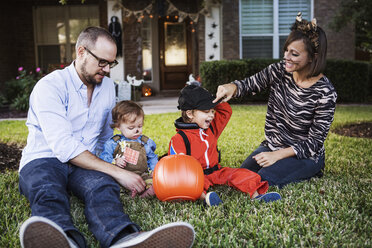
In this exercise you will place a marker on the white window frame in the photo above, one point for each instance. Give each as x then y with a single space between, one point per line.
150 30
275 35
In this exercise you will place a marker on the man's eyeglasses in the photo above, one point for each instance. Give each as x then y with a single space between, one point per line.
102 62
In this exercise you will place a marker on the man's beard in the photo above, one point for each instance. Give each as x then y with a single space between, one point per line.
88 77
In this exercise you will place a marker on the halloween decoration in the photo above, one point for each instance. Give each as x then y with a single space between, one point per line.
178 177
146 90
115 30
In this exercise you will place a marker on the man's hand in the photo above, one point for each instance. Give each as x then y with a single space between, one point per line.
127 179
130 181
225 92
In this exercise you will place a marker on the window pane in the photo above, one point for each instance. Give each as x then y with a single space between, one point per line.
257 17
257 47
288 10
146 49
50 28
81 17
51 56
175 44
282 40
73 52
56 41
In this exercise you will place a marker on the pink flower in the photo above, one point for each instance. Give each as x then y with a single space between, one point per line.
17 77
20 68
38 69
62 66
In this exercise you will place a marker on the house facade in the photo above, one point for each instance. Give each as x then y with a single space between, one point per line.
160 41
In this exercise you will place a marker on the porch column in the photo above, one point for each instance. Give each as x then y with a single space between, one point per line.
116 73
213 34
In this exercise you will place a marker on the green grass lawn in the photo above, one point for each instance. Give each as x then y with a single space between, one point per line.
334 211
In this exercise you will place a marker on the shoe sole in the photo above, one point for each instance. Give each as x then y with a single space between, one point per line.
270 197
39 234
170 235
216 200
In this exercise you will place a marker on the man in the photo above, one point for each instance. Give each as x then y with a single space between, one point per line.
68 122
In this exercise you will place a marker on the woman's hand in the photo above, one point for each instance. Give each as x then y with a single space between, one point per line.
225 92
266 159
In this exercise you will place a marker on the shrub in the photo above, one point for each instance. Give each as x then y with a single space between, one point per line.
18 90
352 79
221 72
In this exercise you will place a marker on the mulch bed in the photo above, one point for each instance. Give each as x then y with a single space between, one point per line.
9 157
360 130
6 113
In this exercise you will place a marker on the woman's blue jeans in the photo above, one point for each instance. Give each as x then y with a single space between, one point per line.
288 170
46 183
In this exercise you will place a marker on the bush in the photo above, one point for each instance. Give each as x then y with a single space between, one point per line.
221 72
352 79
18 90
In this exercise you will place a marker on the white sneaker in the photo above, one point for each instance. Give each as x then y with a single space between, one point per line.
40 232
176 234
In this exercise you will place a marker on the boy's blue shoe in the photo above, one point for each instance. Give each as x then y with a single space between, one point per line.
212 199
268 197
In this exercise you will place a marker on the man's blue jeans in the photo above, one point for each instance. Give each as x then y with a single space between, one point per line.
46 183
288 170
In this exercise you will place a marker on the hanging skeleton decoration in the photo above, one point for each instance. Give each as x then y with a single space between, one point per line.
115 30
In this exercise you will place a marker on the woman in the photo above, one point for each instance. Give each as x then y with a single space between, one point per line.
300 109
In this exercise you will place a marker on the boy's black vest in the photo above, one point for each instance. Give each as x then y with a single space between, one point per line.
188 151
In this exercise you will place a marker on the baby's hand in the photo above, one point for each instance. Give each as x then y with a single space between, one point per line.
148 192
133 193
120 162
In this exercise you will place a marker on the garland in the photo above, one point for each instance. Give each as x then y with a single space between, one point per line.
149 9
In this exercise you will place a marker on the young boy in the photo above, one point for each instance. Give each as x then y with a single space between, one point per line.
198 130
131 150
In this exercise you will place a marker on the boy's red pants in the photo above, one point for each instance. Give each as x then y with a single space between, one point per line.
242 179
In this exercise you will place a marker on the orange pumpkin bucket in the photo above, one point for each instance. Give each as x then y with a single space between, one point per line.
178 177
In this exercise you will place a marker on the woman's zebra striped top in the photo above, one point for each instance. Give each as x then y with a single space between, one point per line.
296 117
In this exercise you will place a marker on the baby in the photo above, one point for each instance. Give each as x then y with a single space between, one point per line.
131 150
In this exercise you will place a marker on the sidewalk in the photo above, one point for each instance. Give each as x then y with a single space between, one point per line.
150 105
159 105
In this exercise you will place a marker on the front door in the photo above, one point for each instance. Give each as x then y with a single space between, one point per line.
175 53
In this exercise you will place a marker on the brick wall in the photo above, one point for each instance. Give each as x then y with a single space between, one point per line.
341 45
230 29
17 41
132 47
201 38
